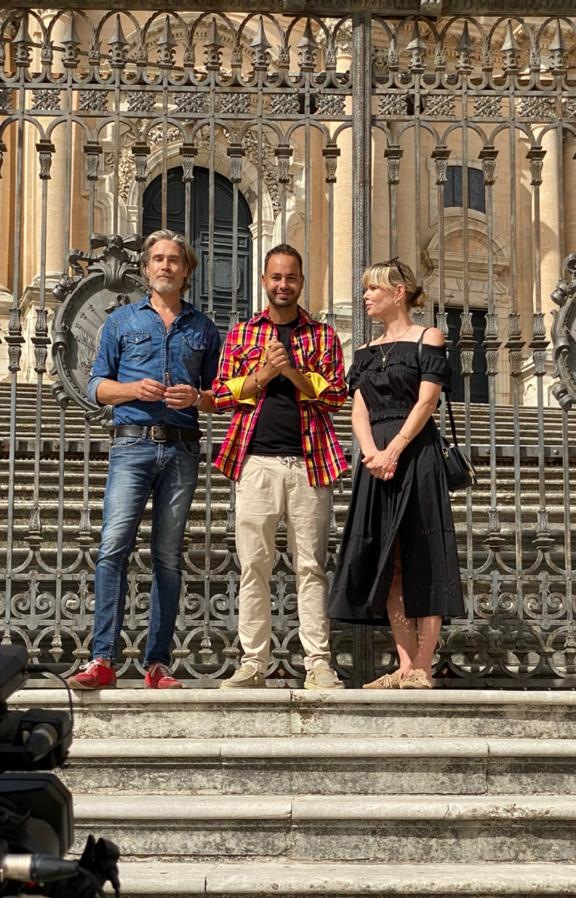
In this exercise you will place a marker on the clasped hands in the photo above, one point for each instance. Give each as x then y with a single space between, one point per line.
175 396
381 463
276 358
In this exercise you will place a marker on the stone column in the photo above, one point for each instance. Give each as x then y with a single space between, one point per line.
569 192
551 251
343 188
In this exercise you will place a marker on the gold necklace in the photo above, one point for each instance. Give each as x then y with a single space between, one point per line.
391 346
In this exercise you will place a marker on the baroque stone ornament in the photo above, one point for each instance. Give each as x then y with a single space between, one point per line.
564 336
109 280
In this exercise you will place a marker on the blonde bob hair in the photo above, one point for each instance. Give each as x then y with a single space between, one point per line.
392 273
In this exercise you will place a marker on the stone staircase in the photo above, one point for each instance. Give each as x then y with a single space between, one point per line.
50 515
286 792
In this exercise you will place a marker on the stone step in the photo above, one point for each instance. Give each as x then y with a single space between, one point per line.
327 766
402 829
273 712
185 880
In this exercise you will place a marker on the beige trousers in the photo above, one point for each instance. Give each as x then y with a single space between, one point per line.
267 489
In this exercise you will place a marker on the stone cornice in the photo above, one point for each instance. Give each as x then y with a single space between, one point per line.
394 8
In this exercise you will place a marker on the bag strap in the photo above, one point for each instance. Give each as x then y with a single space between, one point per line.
451 416
420 339
445 395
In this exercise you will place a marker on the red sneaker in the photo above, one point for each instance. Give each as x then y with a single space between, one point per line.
94 675
159 676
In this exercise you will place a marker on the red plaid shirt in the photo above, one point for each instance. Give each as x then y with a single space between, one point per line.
317 352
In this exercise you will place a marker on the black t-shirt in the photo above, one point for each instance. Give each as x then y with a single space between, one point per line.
278 430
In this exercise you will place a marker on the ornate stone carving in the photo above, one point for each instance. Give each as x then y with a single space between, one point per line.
109 280
5 100
564 336
156 135
126 173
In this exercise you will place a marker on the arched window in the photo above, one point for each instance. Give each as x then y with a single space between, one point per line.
476 190
200 213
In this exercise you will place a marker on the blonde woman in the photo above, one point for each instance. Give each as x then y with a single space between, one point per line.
398 563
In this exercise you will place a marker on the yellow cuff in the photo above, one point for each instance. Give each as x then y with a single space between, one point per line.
236 385
319 384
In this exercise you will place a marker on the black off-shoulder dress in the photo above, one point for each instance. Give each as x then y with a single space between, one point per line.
413 508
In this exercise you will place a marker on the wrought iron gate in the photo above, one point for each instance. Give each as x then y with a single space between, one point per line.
449 141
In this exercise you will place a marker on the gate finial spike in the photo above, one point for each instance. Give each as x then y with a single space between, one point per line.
557 42
213 47
261 42
22 36
510 50
510 43
464 48
166 38
118 39
558 52
213 41
417 49
260 46
71 38
307 48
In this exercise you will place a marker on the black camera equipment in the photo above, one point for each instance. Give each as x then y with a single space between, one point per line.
36 812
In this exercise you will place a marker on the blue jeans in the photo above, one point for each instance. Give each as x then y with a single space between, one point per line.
140 467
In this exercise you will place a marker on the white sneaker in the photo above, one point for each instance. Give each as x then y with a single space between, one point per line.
322 677
246 677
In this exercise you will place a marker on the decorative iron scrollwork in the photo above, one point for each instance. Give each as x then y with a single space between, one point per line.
110 279
564 336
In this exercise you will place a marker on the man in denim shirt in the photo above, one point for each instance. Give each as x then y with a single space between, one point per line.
155 364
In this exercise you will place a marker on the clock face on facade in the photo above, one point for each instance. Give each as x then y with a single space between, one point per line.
78 324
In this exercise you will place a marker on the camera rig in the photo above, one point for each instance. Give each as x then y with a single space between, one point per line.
36 809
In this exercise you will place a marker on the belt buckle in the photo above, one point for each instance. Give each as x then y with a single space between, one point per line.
157 434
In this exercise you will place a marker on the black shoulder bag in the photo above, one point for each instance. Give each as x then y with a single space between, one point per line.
460 473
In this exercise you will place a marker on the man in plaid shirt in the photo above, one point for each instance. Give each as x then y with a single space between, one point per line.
282 375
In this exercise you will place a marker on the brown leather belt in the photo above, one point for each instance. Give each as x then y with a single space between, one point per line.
158 433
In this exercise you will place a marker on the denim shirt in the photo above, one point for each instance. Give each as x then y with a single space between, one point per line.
135 344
